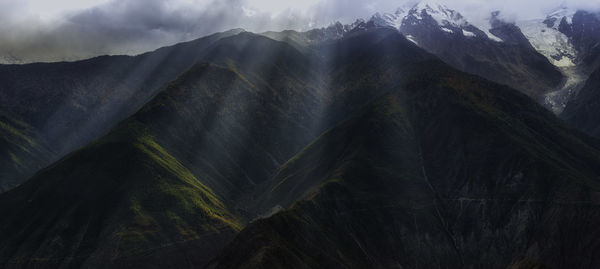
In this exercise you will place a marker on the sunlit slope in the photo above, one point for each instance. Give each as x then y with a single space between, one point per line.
444 171
160 189
117 198
69 104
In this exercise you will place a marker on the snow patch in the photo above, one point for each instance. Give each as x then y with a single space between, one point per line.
447 30
492 36
391 20
412 39
469 34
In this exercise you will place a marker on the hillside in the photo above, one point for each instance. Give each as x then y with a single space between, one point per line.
69 104
385 189
581 111
163 182
195 138
376 153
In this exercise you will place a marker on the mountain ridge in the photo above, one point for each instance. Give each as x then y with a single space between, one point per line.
69 104
333 148
361 211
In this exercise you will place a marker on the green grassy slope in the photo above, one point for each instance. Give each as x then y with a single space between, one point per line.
21 152
117 198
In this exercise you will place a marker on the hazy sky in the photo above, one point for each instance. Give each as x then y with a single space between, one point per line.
43 30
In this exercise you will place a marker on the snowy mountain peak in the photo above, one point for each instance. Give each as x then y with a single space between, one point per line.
558 14
428 12
439 12
448 19
429 5
391 19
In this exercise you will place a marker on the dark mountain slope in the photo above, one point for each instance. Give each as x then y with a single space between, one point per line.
162 186
239 129
304 41
215 132
446 171
94 210
21 153
584 33
363 65
582 111
69 104
422 166
116 198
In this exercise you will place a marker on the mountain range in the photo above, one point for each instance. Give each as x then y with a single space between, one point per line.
414 139
55 108
549 59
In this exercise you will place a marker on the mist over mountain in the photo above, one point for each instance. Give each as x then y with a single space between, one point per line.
397 135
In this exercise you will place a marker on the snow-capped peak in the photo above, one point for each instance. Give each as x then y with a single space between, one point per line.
439 12
391 19
448 20
429 5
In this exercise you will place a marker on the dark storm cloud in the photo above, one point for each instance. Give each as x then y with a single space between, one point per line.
143 17
135 26
132 26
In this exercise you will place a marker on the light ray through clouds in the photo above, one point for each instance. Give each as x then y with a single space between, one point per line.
41 30
261 79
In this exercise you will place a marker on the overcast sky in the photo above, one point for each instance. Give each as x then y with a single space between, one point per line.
43 30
